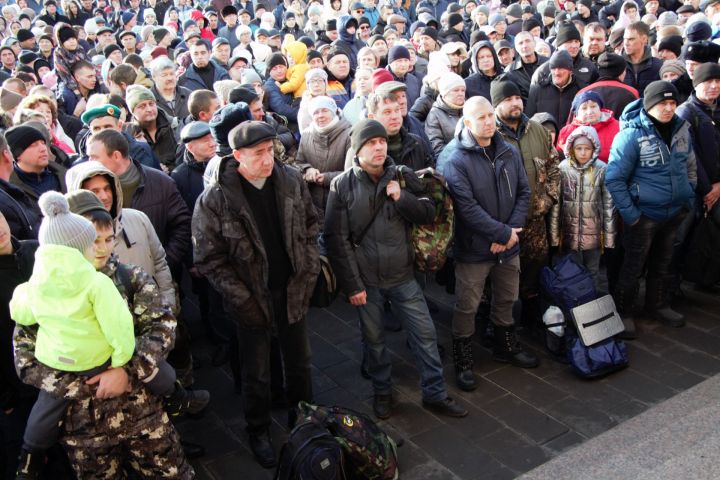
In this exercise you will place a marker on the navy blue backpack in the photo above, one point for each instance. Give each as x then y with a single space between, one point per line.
567 285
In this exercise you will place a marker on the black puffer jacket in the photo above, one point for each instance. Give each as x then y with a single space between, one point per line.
440 124
424 103
158 197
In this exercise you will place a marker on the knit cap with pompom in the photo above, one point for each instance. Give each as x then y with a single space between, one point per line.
60 227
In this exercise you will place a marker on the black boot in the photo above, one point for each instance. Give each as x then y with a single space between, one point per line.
657 306
382 406
463 359
263 449
186 402
624 302
507 349
30 465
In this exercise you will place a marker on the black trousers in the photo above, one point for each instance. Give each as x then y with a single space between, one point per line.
648 243
255 352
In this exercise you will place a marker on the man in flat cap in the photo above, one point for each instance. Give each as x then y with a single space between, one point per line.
199 149
255 239
105 117
371 252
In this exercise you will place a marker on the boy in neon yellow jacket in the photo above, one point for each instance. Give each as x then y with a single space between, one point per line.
84 325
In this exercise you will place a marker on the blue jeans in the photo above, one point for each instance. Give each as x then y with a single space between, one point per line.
409 305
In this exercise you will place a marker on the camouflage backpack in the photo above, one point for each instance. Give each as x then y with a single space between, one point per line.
432 241
370 454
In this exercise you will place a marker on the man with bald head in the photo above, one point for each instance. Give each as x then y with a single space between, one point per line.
487 180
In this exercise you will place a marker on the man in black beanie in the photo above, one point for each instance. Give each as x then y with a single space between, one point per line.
555 93
651 176
370 249
585 12
702 113
615 93
263 259
584 71
280 103
32 171
540 159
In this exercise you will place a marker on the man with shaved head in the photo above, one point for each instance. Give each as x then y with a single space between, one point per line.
489 187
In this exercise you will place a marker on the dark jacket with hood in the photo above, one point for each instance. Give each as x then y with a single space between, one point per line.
478 83
440 124
347 42
704 123
644 175
643 73
22 214
230 252
384 257
491 196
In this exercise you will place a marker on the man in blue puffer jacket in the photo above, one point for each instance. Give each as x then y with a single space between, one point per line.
488 184
651 176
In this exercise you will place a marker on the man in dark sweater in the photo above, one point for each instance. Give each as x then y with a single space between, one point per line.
255 236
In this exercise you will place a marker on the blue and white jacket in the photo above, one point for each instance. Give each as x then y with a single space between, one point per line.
644 176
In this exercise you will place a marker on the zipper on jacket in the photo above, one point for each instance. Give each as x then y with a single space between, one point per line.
497 187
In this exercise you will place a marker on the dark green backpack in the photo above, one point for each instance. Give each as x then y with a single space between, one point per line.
370 454
432 241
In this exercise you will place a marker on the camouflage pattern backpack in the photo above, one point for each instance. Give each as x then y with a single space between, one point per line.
370 454
432 241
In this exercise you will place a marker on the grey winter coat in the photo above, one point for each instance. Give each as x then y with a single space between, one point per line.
326 152
384 257
229 251
585 218
440 124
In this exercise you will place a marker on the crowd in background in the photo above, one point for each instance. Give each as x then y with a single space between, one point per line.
232 144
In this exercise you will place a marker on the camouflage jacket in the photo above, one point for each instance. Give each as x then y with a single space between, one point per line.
541 163
154 338
229 251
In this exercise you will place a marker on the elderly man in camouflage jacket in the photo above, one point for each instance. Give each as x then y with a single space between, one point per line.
255 238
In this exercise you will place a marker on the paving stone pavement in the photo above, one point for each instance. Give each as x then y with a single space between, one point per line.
519 419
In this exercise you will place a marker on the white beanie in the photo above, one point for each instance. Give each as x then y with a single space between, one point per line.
60 227
448 82
322 102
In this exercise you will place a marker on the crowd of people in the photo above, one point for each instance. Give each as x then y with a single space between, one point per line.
235 143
